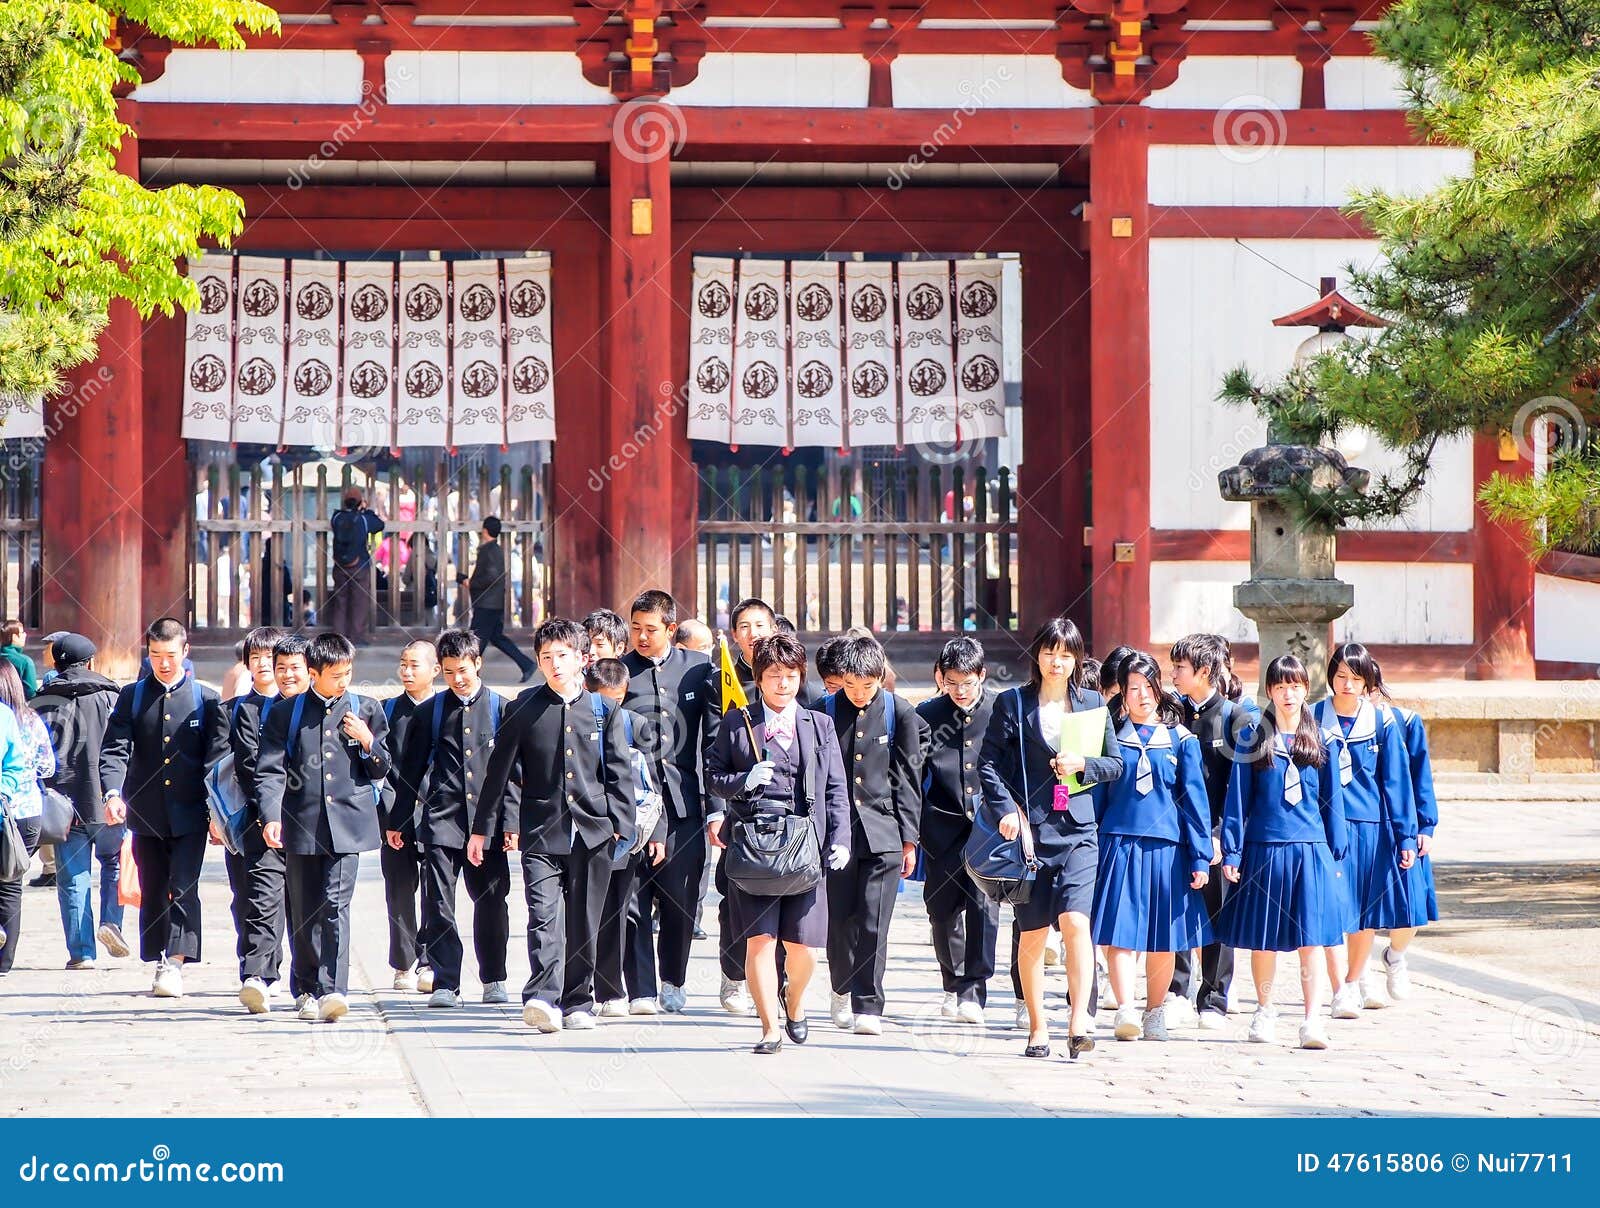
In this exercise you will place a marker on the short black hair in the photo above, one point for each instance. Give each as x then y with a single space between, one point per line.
432 649
783 624
564 630
658 602
961 656
778 650
1111 665
491 525
603 623
262 637
328 650
1058 633
459 644
827 658
290 645
745 605
166 629
605 673
863 657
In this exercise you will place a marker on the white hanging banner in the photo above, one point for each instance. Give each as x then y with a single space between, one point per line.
366 405
927 371
423 414
208 352
261 312
310 389
711 324
980 352
530 403
477 354
872 381
818 396
760 404
21 418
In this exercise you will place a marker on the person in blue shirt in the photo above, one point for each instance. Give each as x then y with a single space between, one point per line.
1283 829
1375 780
1155 848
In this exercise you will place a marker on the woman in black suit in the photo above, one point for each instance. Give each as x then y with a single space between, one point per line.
1023 762
795 769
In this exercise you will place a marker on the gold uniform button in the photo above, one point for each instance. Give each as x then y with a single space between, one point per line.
166 717
572 798
858 756
467 754
858 780
569 729
860 734
969 742
166 761
466 729
166 738
969 767
168 783
469 775
329 776
569 775
569 750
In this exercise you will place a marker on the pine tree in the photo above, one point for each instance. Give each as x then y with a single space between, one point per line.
1492 281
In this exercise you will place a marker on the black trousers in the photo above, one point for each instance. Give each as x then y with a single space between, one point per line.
259 915
490 626
169 886
11 898
611 940
860 906
566 898
672 888
966 926
1216 960
320 889
489 886
402 874
730 952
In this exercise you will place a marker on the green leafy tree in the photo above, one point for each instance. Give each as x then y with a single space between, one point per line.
1492 281
74 232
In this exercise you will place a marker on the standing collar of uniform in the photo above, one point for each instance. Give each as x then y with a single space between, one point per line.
468 702
564 700
181 680
1210 702
327 703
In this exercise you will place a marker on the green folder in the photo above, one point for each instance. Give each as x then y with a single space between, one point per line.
1083 734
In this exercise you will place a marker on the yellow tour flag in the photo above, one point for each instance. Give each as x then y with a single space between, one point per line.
733 696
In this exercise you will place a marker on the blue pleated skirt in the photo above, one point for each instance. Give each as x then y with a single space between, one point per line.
1289 895
1374 879
1142 898
1421 895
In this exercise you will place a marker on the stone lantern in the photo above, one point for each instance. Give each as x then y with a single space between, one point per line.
1292 594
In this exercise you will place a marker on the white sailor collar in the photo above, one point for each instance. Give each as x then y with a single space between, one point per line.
1162 736
1363 729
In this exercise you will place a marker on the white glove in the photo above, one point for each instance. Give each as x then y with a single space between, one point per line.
759 775
838 857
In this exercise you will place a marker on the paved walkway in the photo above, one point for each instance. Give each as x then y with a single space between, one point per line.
1482 1036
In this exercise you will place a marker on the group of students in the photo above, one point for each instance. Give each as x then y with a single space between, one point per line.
1199 825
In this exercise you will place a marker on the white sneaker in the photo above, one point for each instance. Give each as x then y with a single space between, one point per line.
494 992
970 1012
444 997
541 1015
332 1008
1052 948
424 980
1105 996
673 1000
644 1006
1313 1035
735 998
579 1021
1396 974
305 1008
110 935
614 1008
1369 996
950 1008
169 981
1128 1024
1213 1021
1346 1001
1179 1012
1264 1026
255 997
1019 1019
405 979
1155 1024
839 1010
869 1025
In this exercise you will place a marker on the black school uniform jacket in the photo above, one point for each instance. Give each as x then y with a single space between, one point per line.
574 774
952 772
244 736
821 773
446 772
326 791
669 702
885 777
158 760
402 716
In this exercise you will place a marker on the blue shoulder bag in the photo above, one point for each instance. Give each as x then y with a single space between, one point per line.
1003 869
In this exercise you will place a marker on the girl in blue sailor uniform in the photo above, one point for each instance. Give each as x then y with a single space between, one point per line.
1155 848
1375 779
1283 830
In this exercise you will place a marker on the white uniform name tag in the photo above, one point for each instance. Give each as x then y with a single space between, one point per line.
883 740
593 735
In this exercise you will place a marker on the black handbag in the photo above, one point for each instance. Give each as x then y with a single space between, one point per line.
1003 869
55 822
775 855
15 859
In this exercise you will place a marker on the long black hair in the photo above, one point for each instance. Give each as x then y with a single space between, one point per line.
1305 747
1140 663
1062 632
1112 664
1359 660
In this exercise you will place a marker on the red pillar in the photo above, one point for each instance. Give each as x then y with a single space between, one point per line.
1502 581
169 510
1119 376
642 420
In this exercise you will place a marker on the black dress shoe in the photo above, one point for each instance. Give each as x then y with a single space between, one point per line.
1036 1050
798 1029
1079 1044
768 1047
44 880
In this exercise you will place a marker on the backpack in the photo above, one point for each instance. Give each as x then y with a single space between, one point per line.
349 536
647 802
225 795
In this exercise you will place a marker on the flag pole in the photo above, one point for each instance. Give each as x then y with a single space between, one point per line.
731 675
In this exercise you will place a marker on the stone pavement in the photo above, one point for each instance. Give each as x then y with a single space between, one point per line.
1480 1037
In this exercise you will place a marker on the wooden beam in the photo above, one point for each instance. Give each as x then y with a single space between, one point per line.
1300 127
1233 545
1254 222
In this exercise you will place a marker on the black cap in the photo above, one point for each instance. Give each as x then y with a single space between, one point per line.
72 648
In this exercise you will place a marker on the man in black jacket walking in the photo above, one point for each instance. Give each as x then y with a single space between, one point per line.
488 588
